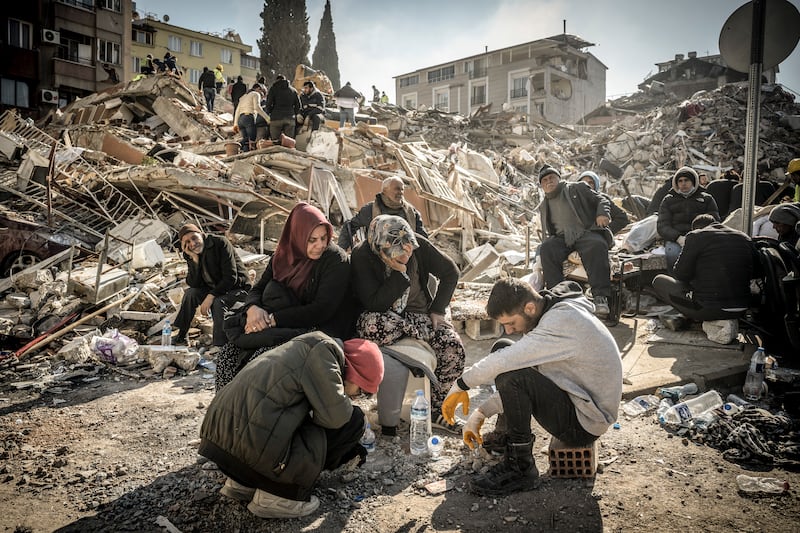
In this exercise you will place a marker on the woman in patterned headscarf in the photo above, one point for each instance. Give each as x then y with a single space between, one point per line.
305 287
390 276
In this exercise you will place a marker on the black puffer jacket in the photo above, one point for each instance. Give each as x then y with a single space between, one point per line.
677 212
282 101
260 426
223 265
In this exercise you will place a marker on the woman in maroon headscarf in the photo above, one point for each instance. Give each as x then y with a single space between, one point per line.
305 287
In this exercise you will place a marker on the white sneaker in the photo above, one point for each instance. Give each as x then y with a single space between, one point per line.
237 491
266 505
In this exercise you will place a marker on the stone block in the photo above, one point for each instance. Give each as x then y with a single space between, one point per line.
572 462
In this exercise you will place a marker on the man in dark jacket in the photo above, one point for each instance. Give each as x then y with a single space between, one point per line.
312 105
283 105
712 276
658 196
216 278
721 189
390 201
619 218
206 84
287 416
679 208
574 217
238 90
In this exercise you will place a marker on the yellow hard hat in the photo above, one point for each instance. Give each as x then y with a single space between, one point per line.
794 166
219 67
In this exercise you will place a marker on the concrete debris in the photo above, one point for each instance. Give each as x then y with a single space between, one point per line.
113 175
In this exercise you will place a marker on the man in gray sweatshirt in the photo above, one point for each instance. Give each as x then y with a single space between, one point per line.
565 371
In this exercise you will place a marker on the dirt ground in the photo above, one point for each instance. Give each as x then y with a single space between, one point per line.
119 454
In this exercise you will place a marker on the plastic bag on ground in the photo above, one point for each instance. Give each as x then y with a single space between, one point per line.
114 347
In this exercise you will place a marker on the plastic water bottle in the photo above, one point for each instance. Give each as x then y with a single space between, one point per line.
737 400
420 412
755 376
368 438
769 485
166 334
676 394
640 405
730 409
680 413
663 405
435 446
705 420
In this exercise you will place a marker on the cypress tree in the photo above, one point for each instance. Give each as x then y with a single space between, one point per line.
284 42
325 57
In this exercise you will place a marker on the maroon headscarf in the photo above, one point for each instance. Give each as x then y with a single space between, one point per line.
290 264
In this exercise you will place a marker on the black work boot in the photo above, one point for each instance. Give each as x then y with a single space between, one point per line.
517 473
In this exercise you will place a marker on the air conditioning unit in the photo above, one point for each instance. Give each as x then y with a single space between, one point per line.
49 97
50 36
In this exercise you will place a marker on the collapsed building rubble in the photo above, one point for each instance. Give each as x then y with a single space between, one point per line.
120 170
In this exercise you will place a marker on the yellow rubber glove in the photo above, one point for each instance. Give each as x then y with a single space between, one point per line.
454 398
472 431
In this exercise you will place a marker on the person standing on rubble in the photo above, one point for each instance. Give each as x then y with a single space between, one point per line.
219 79
391 271
619 218
305 287
376 94
244 119
679 208
238 90
206 86
390 201
283 105
312 106
217 281
793 173
288 416
575 218
384 98
347 99
565 371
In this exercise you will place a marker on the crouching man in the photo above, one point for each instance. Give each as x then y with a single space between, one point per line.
565 371
287 416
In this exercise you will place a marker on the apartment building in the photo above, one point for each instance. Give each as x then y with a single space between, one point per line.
192 49
554 78
54 51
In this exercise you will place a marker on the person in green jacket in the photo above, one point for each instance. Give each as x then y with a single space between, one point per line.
287 416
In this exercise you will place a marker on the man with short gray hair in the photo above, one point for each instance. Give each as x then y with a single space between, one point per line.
390 201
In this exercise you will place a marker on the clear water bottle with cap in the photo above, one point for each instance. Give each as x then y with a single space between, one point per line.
663 405
420 412
368 438
737 400
754 381
435 446
166 334
686 410
677 393
640 405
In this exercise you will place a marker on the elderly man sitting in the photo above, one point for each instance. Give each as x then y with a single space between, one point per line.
389 201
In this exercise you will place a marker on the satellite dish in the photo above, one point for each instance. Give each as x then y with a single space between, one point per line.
166 18
781 33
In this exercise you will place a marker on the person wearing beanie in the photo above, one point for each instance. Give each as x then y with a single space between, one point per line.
216 277
679 208
575 218
619 218
785 218
287 416
390 201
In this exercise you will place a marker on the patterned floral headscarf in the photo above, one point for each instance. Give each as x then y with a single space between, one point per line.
388 234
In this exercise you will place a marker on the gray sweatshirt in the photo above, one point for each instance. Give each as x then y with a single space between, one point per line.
572 348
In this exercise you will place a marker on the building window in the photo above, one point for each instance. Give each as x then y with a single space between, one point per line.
476 68
196 49
113 5
249 62
174 43
108 52
19 33
194 75
441 100
441 74
226 56
478 96
520 108
14 93
75 47
144 37
409 80
410 101
85 4
519 87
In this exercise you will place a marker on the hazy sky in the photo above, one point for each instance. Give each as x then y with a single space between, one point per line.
378 39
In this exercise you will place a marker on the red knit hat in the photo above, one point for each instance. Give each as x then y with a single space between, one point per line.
363 364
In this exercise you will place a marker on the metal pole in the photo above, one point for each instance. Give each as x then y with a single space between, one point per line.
753 116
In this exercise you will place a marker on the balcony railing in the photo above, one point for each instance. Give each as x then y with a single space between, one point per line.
519 93
478 73
84 4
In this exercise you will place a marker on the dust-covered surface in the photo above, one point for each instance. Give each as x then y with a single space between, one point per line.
119 453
